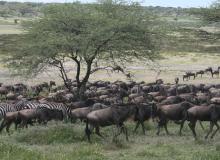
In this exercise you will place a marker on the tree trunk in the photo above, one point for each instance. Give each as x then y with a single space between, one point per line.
81 86
81 92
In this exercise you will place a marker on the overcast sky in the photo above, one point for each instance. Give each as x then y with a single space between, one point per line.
166 3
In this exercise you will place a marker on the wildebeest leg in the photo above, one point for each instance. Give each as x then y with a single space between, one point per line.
201 125
125 131
97 132
181 127
160 124
192 126
121 128
137 125
8 126
158 128
210 129
24 123
165 126
2 125
216 123
143 127
16 125
88 132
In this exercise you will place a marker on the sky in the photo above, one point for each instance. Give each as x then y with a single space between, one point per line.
165 3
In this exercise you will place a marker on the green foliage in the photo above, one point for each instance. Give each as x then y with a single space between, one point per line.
113 32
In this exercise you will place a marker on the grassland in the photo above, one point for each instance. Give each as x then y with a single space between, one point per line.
173 64
66 142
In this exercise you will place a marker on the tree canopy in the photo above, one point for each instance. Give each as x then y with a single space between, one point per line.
96 36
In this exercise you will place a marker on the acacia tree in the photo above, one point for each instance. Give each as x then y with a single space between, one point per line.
92 36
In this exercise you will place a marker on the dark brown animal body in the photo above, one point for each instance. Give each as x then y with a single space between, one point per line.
41 114
185 77
209 113
80 113
176 80
172 100
216 72
175 112
201 72
115 115
10 117
190 74
144 112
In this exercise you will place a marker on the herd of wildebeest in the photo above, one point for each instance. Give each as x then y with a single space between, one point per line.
208 70
112 103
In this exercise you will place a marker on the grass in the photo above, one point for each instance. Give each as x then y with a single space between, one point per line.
10 29
173 64
65 141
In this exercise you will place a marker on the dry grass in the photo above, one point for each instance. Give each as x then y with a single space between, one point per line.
171 66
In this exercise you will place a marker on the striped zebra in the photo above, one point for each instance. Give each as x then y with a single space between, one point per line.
51 105
32 105
6 107
59 106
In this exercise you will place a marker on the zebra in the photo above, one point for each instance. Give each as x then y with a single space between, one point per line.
51 105
59 106
7 107
32 105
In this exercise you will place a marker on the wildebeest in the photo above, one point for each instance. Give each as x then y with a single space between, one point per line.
144 112
185 76
209 113
41 114
216 72
9 118
172 100
201 72
190 74
175 112
81 113
208 69
114 115
176 80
